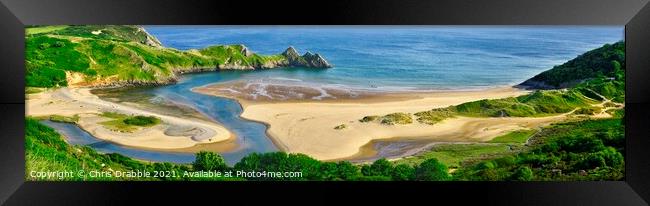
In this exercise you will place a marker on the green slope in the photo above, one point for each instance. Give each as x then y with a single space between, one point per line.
606 61
125 55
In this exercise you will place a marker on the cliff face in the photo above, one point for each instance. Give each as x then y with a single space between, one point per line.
150 40
128 55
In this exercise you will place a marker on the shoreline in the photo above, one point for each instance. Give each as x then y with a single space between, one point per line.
368 97
228 145
280 132
174 134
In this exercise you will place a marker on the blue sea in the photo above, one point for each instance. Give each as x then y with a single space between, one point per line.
404 57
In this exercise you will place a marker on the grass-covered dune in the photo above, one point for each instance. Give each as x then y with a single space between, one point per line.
128 55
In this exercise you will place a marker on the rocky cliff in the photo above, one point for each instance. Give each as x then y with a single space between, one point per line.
306 60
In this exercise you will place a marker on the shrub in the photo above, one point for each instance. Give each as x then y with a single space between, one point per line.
434 116
403 172
380 167
431 170
141 120
397 118
522 173
209 161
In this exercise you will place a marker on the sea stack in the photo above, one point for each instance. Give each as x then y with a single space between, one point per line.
307 60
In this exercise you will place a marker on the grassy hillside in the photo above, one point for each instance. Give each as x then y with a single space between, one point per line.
606 61
586 150
123 55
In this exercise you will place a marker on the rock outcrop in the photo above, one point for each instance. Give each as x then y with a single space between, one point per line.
307 60
245 51
150 39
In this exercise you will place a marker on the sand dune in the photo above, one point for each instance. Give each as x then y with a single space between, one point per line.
173 133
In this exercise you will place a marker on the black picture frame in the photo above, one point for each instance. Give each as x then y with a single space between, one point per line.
634 14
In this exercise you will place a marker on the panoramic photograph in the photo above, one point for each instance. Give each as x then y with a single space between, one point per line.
324 103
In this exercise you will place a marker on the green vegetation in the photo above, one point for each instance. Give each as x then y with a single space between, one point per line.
455 155
520 136
64 119
114 115
539 103
434 116
33 90
43 29
339 127
612 88
617 113
608 61
585 150
47 59
127 123
587 110
390 119
142 121
397 118
432 170
209 161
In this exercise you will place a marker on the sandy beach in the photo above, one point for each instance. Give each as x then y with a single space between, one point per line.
308 127
173 134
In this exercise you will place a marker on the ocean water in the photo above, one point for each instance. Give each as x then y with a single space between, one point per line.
404 57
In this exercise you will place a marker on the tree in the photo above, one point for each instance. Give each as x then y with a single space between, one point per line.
380 167
403 172
329 171
431 170
209 161
347 170
523 173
